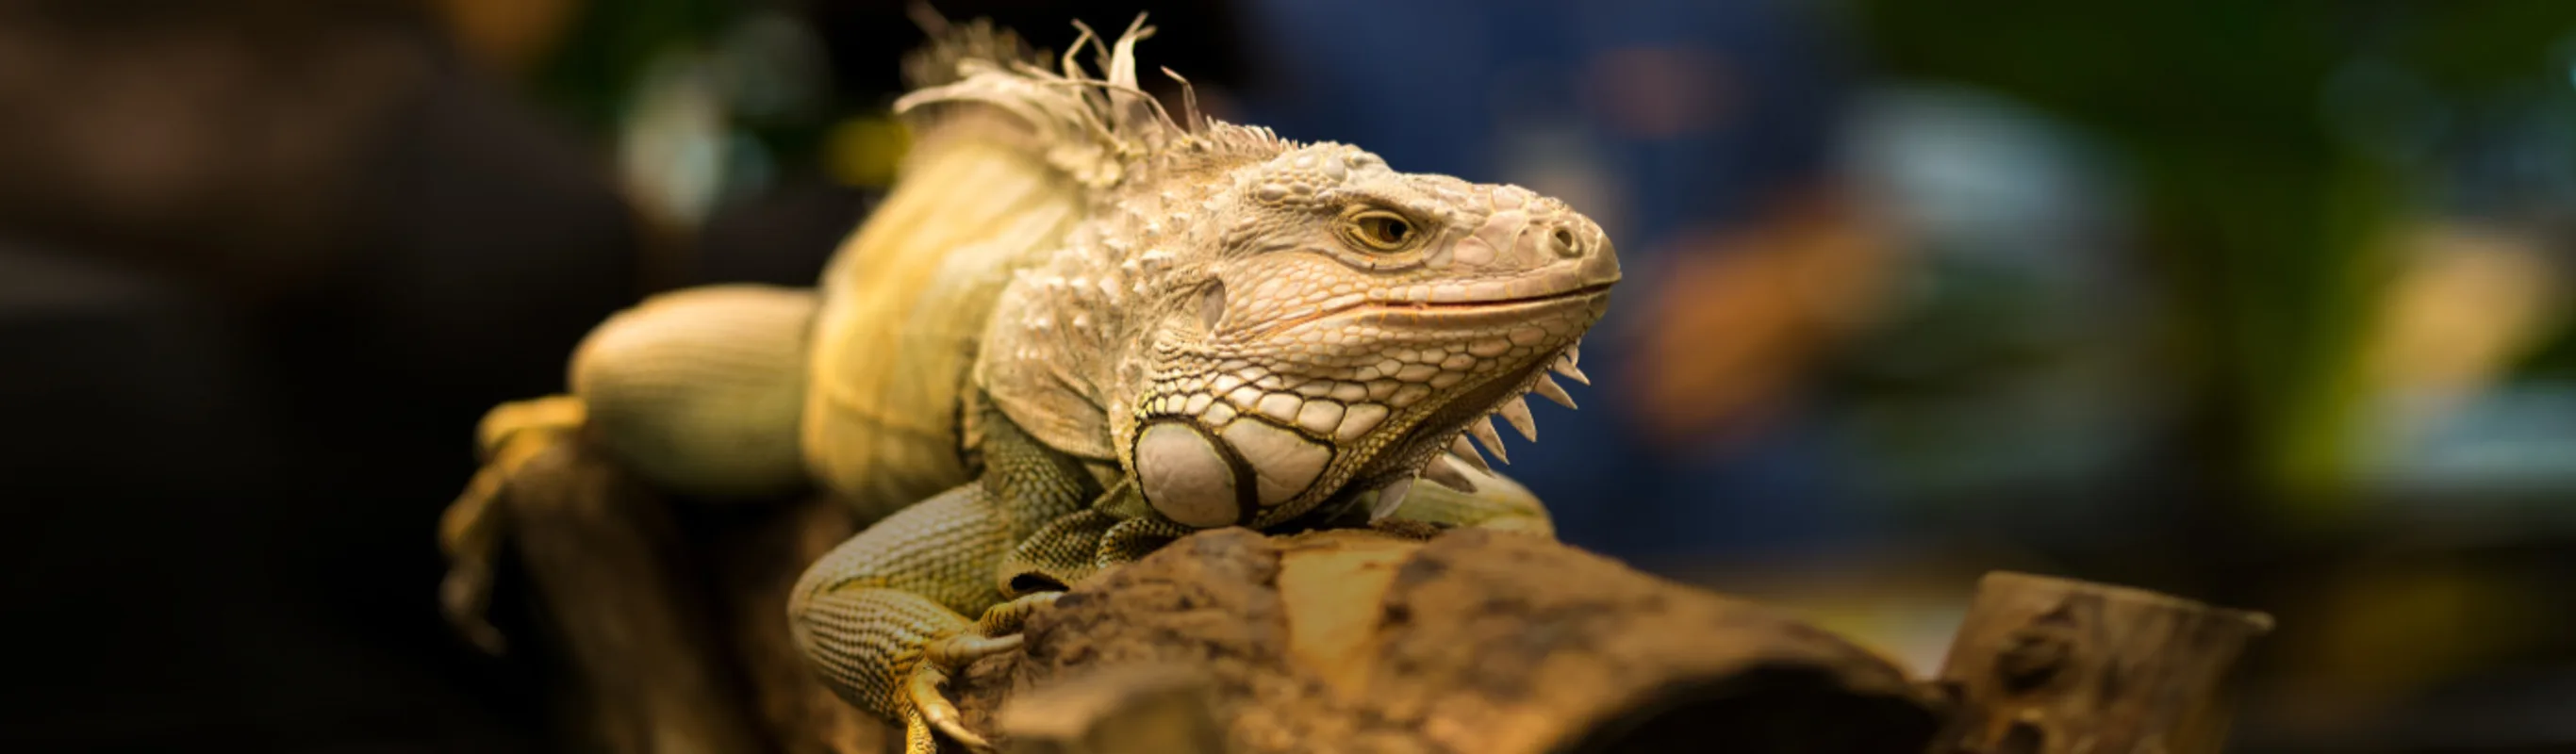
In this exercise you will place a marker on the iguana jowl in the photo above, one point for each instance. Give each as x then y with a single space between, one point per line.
1097 329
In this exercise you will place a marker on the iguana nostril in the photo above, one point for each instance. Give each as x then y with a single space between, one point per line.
1565 244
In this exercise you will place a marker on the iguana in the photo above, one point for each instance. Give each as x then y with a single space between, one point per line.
1077 329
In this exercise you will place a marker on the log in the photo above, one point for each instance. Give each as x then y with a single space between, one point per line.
1475 641
1138 708
756 557
2056 666
665 618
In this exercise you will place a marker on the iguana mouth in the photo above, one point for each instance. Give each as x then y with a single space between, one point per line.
1589 290
1463 314
1450 312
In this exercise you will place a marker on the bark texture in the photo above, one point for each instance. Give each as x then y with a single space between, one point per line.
667 623
1475 641
2055 666
667 619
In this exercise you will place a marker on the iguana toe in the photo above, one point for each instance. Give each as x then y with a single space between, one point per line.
931 710
956 652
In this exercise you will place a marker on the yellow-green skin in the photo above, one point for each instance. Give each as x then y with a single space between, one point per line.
886 432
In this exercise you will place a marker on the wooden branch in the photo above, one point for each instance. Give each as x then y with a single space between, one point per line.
1475 641
596 546
1141 708
670 617
755 558
2055 666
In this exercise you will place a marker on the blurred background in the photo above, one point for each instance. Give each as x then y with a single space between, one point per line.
2259 303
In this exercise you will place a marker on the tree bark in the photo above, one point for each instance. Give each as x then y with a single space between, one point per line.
668 618
1144 708
2056 666
1475 641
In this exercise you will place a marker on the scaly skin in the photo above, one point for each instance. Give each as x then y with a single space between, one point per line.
1241 331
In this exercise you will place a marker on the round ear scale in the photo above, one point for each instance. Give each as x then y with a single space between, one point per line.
1283 463
1186 477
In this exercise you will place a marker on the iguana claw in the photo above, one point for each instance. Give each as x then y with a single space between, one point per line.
932 710
996 632
957 652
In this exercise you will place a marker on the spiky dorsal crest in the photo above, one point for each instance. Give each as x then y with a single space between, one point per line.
1101 129
954 49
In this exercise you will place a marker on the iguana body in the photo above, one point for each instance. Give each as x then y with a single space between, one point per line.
1075 331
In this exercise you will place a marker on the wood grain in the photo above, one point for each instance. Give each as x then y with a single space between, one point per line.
669 618
2057 666
1476 641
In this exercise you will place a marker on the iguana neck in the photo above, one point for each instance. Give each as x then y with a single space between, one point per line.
1064 352
1051 357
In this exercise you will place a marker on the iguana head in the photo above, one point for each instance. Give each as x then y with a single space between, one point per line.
1255 328
1296 330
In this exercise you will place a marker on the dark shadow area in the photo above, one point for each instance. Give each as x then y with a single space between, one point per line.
1766 709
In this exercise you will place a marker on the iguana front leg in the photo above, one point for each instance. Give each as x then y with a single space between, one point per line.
868 614
883 617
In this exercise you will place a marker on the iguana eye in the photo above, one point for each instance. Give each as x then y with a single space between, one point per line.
1379 230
